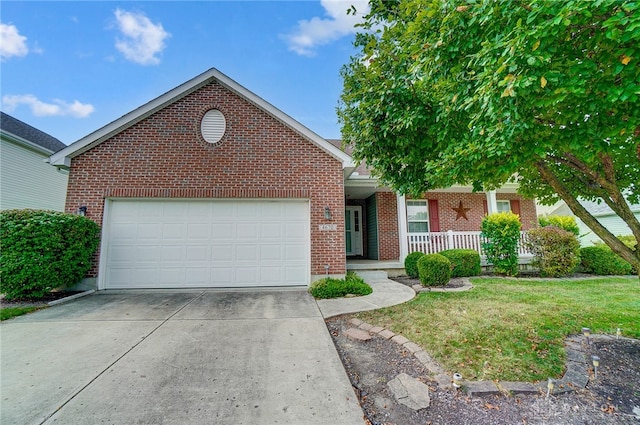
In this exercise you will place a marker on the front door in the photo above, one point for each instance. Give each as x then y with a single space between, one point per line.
353 230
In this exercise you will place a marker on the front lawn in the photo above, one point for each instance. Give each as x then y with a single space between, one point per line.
510 329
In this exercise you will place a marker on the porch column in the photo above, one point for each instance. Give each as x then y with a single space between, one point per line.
492 204
401 207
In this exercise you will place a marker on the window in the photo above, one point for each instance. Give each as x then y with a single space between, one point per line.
417 216
503 206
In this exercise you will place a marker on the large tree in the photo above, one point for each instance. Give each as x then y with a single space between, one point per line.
546 93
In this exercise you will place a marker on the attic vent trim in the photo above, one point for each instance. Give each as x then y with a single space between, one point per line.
213 126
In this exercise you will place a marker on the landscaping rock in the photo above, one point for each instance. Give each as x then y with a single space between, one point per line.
481 388
519 388
357 334
410 392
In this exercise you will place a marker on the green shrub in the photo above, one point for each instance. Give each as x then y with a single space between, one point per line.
464 262
565 222
44 250
411 263
434 270
329 287
500 234
556 252
601 260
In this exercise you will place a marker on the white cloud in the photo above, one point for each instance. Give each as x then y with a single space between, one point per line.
141 40
309 34
11 42
39 108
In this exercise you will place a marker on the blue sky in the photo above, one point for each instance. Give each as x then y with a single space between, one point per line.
68 68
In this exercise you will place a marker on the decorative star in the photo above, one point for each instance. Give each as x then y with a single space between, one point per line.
461 212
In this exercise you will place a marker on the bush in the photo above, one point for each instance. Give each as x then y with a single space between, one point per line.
434 270
329 287
501 233
565 222
556 252
601 260
44 250
411 263
464 262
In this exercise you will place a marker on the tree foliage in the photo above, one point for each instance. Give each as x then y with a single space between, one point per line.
545 93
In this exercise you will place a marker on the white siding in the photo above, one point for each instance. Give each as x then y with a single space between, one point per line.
612 222
26 181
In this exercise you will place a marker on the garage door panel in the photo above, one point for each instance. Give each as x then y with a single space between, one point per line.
189 243
247 231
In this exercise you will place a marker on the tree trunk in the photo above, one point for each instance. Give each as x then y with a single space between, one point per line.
628 254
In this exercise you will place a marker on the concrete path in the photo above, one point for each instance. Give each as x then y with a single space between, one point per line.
386 293
199 357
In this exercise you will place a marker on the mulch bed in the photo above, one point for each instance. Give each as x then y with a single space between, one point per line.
608 400
39 302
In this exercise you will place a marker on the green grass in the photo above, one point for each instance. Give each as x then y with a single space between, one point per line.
511 329
11 312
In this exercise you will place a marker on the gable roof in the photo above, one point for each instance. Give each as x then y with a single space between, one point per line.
63 157
27 135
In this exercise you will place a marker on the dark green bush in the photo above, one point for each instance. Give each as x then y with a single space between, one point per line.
500 234
329 287
434 270
44 250
601 260
556 252
411 263
565 222
464 262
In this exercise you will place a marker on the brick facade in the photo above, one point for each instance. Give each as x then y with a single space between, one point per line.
164 156
388 234
447 201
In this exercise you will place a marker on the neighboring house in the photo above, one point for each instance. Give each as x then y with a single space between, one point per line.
603 214
209 185
26 180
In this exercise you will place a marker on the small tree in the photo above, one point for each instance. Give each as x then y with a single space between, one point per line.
501 233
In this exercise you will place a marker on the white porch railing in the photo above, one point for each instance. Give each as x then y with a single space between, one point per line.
433 242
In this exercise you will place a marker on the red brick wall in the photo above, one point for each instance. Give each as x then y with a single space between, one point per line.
164 156
475 201
388 236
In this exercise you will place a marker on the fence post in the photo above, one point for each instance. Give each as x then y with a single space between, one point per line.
450 239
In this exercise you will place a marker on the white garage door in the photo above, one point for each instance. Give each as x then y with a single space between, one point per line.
190 243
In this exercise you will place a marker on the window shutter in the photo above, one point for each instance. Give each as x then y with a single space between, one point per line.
515 207
485 205
434 216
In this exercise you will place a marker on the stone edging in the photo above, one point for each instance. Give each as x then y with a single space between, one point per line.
467 285
576 377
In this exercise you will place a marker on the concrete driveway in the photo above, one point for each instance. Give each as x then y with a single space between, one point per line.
199 357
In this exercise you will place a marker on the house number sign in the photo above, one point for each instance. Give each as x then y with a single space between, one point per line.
327 227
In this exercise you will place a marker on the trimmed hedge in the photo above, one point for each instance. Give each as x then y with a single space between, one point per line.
501 233
411 263
556 252
464 262
330 287
601 260
434 270
44 250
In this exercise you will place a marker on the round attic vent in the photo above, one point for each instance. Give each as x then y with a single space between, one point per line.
213 126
